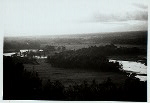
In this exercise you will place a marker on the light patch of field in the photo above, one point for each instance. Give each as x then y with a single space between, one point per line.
71 76
79 46
75 46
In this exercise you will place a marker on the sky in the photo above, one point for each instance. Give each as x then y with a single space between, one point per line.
53 17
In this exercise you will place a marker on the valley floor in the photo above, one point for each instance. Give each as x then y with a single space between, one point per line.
72 76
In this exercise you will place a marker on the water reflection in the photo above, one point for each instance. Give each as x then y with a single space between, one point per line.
9 54
137 67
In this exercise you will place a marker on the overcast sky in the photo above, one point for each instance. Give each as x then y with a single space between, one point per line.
50 17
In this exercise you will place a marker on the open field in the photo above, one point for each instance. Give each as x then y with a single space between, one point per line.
71 76
76 46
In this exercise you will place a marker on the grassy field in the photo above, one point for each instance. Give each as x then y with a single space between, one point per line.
72 76
76 46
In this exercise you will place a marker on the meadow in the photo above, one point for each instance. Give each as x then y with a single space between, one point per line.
72 76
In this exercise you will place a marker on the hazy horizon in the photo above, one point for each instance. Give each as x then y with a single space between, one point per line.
54 17
77 34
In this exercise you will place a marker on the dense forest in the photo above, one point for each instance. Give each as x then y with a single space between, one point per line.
92 58
20 84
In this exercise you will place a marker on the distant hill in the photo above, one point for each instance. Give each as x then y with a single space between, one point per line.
133 38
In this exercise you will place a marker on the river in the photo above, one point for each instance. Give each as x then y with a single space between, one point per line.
134 67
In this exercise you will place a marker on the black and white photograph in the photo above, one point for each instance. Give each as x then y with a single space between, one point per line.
75 50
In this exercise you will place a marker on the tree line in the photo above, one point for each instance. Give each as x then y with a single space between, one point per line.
92 58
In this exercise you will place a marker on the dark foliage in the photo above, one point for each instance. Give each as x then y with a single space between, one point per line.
49 48
24 60
53 91
18 84
92 58
88 58
131 90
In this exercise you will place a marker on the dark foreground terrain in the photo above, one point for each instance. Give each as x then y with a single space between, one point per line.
24 84
77 67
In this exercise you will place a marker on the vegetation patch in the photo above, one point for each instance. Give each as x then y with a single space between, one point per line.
22 85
